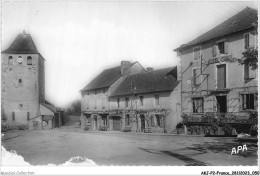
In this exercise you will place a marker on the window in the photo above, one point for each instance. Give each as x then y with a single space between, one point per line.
152 120
159 120
157 101
127 120
126 102
20 82
196 78
95 91
10 60
196 53
221 76
29 60
250 40
220 48
95 103
103 103
249 101
141 100
197 104
13 116
248 72
28 116
20 60
104 119
118 102
104 90
87 103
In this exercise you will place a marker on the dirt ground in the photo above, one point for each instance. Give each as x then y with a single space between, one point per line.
118 148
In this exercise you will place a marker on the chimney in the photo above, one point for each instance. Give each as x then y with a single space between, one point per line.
149 69
125 65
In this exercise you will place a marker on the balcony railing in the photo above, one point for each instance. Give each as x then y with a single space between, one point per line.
222 118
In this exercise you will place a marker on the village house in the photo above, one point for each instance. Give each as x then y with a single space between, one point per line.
147 102
213 81
23 101
95 106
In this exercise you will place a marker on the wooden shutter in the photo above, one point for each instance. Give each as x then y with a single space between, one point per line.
226 47
214 50
251 40
221 76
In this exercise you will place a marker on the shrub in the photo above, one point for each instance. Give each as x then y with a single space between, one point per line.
22 127
127 129
179 125
253 117
86 128
227 130
214 127
102 128
253 130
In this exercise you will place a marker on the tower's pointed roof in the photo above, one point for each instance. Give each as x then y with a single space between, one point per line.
23 44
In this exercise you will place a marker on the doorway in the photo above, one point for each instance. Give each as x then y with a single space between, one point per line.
95 123
142 122
117 123
221 104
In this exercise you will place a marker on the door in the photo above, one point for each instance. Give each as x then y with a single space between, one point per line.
95 123
221 104
221 76
142 122
116 123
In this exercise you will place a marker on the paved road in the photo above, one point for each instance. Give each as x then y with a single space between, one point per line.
118 148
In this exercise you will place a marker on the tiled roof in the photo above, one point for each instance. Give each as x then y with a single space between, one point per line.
23 44
148 82
104 79
243 20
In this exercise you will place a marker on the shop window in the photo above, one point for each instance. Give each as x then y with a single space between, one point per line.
197 104
29 60
249 101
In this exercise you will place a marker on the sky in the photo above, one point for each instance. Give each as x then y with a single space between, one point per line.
80 39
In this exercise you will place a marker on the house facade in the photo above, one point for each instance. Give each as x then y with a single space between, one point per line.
23 86
147 102
212 78
95 105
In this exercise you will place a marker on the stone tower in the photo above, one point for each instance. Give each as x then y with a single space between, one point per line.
23 82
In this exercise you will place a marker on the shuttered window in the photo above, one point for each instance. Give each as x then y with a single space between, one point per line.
249 101
197 104
157 100
196 76
248 72
249 40
220 48
221 76
196 53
